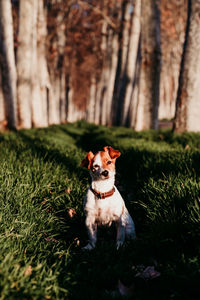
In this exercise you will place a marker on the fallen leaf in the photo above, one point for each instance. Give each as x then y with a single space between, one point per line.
28 271
68 191
44 201
124 290
77 242
48 239
148 273
71 212
187 147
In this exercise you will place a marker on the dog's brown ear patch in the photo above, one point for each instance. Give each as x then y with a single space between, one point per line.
87 161
112 152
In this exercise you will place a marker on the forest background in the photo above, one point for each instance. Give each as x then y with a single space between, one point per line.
110 62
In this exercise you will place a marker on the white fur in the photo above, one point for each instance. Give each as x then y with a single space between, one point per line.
105 211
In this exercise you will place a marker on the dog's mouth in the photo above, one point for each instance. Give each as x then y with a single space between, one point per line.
105 177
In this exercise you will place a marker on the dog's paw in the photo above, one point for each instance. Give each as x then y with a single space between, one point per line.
88 247
119 244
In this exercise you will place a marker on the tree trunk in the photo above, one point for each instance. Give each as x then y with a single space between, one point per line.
131 59
39 80
7 62
105 85
123 41
101 84
61 66
129 35
73 114
3 121
149 77
111 79
188 104
109 73
173 22
35 85
57 93
24 62
106 47
90 114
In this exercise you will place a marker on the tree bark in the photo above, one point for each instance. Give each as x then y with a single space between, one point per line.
125 83
173 22
131 62
3 121
61 66
149 77
7 61
34 80
188 104
90 113
57 92
101 84
24 62
111 81
39 79
109 73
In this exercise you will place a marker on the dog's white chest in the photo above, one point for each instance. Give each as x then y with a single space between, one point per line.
104 211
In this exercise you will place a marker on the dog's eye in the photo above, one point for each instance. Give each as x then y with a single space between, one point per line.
109 162
96 166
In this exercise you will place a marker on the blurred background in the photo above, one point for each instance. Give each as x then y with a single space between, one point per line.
132 63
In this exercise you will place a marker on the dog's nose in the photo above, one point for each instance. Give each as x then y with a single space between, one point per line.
105 173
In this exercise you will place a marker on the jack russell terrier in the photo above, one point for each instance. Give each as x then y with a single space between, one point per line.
103 203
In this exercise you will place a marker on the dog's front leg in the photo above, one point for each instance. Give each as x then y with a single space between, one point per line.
92 233
120 233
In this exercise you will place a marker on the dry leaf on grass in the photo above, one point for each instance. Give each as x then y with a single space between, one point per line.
76 241
48 239
44 201
68 191
28 271
71 212
148 273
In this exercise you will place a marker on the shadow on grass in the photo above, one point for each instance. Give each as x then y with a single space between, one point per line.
49 154
60 201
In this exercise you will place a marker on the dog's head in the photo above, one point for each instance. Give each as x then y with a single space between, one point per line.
102 163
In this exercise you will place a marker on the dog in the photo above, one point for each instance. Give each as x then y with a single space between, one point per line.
103 203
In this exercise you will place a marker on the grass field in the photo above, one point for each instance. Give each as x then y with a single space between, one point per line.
40 242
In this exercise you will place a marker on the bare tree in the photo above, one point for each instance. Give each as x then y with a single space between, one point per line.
188 104
7 61
57 88
24 60
173 22
133 37
3 121
39 72
149 71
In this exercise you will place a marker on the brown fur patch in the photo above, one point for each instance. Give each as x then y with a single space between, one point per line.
105 158
112 152
88 160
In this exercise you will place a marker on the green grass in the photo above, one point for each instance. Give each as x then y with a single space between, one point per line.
41 179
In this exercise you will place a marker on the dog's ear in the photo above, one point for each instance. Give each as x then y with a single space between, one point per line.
86 162
112 152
